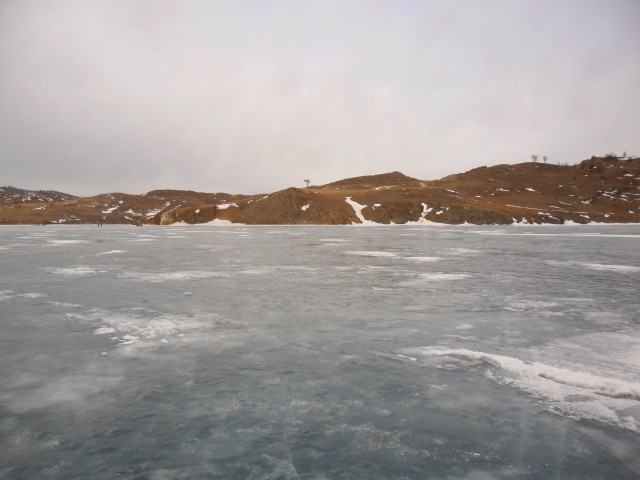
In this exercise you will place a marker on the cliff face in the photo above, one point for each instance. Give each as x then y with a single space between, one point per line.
601 189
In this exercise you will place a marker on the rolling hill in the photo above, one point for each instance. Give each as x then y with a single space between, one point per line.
600 189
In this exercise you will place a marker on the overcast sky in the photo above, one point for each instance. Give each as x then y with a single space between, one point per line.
255 96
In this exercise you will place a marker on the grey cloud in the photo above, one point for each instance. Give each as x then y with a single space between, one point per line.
256 96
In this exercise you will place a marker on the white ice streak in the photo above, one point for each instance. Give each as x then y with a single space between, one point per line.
32 296
427 279
65 304
112 252
424 259
439 276
612 268
67 242
371 253
595 266
7 295
588 389
159 277
75 271
464 326
525 305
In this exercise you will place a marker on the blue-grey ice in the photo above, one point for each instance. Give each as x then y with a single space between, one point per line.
407 352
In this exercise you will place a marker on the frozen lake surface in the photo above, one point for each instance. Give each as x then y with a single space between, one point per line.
403 352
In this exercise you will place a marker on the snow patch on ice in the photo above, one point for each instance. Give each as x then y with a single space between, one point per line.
128 329
594 376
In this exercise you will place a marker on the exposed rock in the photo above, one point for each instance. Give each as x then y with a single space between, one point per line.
190 215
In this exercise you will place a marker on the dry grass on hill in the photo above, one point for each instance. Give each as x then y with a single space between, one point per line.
601 189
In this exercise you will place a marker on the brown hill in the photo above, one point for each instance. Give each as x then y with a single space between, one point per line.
372 181
601 189
109 207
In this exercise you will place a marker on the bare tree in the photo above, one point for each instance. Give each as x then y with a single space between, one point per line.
544 159
307 181
534 157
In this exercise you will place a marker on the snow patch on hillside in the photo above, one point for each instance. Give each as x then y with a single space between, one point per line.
357 208
224 206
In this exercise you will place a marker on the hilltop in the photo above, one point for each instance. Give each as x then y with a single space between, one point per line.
600 189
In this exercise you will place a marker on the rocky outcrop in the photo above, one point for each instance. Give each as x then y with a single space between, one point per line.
290 206
190 215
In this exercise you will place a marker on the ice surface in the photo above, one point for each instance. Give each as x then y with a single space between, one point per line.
320 352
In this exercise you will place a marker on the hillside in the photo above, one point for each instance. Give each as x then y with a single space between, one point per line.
105 208
600 189
10 195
